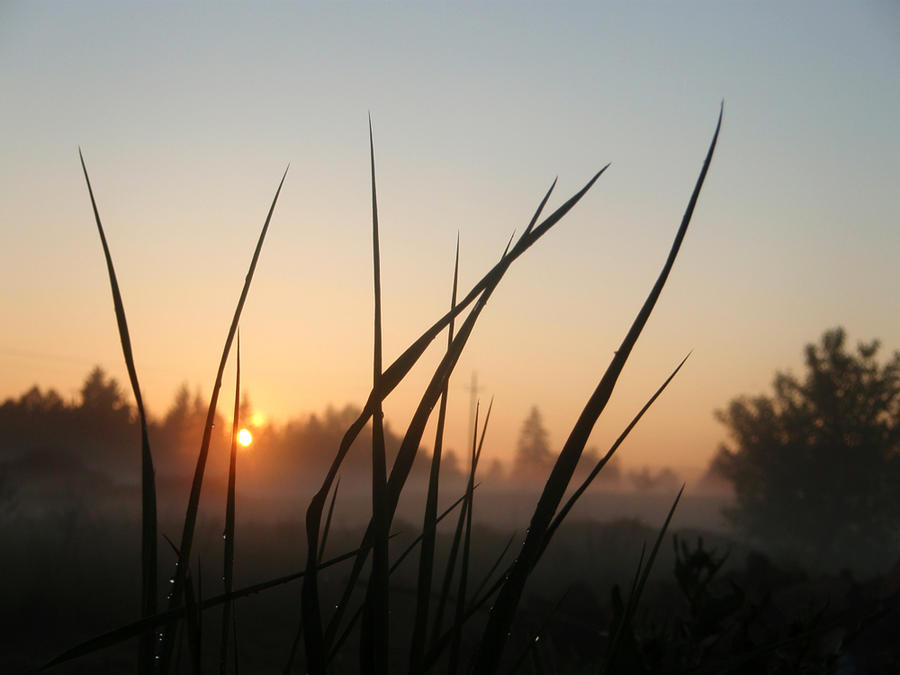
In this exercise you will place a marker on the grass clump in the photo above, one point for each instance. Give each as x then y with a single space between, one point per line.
441 633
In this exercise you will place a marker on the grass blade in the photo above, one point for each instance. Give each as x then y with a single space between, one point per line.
495 634
374 639
429 525
190 518
564 511
148 480
228 572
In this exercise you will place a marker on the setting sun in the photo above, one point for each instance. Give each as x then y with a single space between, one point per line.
245 438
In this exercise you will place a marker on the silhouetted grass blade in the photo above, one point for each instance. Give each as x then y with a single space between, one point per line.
564 511
148 480
190 518
494 638
429 525
374 638
228 572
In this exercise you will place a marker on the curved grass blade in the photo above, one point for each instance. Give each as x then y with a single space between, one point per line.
374 638
228 572
299 634
393 375
564 511
429 526
148 480
190 518
494 638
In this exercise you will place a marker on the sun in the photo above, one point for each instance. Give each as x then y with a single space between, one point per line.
245 438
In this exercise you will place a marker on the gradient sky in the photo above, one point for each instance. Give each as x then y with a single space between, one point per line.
188 115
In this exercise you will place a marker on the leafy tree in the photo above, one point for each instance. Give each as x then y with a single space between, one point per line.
816 467
533 456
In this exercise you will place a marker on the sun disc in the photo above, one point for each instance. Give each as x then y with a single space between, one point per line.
245 438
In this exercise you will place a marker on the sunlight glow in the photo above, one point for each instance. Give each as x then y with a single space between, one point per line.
245 438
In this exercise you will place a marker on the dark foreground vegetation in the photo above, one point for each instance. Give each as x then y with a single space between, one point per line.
437 594
71 577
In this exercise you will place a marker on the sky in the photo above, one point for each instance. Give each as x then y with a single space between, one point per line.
188 115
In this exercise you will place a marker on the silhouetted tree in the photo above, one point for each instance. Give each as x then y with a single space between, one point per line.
533 456
816 467
101 395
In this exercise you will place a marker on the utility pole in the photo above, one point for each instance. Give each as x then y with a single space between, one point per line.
473 390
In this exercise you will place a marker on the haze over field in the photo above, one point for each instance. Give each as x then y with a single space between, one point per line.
188 116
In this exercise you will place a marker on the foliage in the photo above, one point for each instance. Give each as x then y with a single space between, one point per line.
815 466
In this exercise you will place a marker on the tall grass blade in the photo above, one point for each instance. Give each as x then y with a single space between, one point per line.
494 638
564 511
190 518
374 638
295 646
148 480
228 571
429 525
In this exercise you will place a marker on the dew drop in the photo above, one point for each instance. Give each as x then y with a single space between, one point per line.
171 580
537 638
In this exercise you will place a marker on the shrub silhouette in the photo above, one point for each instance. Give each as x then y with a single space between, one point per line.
815 466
